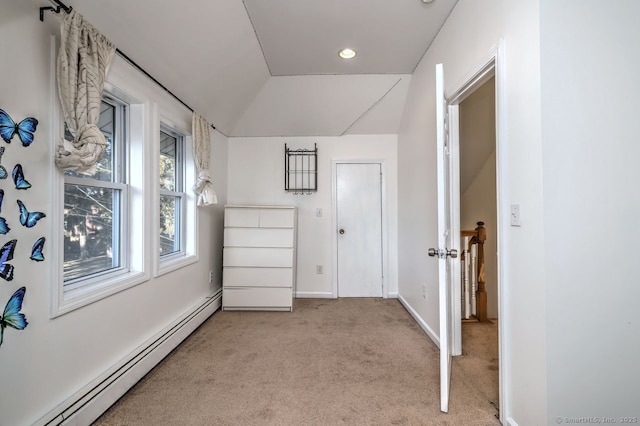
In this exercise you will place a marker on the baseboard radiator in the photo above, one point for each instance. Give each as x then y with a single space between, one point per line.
86 405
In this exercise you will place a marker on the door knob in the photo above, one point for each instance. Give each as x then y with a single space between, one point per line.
341 231
453 253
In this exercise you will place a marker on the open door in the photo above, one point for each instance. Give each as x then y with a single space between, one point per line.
448 243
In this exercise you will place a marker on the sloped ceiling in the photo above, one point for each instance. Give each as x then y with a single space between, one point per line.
298 105
205 52
270 68
477 132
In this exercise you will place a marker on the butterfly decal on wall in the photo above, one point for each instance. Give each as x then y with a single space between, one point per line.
18 178
24 129
27 218
3 171
36 250
11 316
4 228
6 254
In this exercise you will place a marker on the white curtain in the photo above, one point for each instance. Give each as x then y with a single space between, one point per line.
83 61
201 153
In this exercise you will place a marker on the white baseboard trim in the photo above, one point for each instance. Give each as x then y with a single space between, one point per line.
314 295
86 405
433 336
392 295
511 422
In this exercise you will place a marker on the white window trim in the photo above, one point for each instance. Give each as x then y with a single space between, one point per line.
103 285
188 253
142 175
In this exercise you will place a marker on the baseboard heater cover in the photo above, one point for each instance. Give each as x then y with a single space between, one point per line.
86 405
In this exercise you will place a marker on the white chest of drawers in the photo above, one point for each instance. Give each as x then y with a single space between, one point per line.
259 258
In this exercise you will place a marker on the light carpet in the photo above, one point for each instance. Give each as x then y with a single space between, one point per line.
329 362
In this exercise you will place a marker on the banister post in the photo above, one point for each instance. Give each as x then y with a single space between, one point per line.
481 293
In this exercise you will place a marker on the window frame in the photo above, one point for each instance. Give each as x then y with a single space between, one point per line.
189 249
178 193
141 171
134 241
119 183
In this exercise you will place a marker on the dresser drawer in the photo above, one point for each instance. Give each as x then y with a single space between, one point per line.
244 218
257 298
257 277
250 237
277 218
257 257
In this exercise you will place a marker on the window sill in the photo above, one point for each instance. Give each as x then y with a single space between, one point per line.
174 262
83 296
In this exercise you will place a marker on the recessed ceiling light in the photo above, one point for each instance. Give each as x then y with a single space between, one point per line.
347 53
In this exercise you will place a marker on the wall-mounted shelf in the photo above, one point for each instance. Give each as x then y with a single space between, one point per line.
301 170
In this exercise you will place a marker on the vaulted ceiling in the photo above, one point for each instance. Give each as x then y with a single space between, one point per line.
271 67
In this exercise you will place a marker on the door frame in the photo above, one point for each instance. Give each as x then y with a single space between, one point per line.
334 221
492 65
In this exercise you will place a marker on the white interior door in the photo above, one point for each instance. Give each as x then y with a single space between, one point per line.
448 242
359 229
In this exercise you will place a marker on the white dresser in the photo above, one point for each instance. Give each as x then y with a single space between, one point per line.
259 259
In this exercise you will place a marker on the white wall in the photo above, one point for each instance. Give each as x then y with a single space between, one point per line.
256 176
467 37
478 203
590 62
53 358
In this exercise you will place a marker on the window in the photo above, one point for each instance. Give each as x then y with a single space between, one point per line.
94 206
172 195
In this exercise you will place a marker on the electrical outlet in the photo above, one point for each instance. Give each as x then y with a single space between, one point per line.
210 277
319 269
515 215
424 291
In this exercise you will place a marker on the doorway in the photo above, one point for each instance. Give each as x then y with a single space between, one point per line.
490 69
359 229
478 217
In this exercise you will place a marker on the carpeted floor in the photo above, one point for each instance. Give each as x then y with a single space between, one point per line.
329 362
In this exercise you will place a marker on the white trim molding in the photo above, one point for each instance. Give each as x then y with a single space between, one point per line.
313 295
422 323
511 422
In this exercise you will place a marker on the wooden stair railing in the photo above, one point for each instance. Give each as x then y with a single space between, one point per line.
479 236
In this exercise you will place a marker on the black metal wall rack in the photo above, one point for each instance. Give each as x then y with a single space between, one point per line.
301 170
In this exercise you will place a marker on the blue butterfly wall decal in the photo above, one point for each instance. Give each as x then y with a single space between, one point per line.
4 228
29 219
3 171
18 178
25 129
36 250
11 316
6 254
